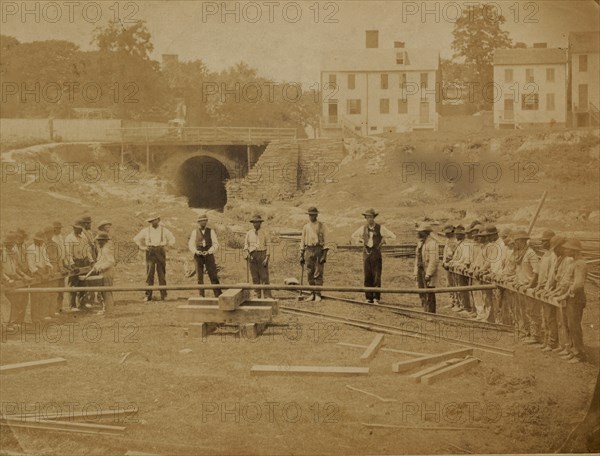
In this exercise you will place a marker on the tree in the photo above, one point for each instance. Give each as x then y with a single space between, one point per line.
133 40
476 35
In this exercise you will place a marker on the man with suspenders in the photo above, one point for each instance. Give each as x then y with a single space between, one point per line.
203 244
154 240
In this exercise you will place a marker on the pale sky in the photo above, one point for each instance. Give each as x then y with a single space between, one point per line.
281 49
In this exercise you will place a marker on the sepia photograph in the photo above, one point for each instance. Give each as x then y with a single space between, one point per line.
271 228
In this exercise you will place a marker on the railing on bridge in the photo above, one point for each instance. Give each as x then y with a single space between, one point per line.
202 135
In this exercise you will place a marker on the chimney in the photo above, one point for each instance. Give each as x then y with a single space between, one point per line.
399 44
372 39
540 45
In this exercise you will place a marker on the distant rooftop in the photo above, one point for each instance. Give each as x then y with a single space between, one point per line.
529 56
584 42
380 60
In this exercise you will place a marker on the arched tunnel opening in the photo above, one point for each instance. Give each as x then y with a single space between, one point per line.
202 180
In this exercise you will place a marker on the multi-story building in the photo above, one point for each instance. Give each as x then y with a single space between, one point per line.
530 87
377 90
584 93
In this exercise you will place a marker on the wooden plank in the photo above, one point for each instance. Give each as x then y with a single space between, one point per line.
200 300
231 299
64 426
261 369
371 350
382 399
449 371
416 377
79 415
212 314
404 366
201 329
386 349
425 428
18 367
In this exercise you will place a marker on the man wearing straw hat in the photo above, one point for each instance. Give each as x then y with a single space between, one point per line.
372 236
203 244
426 265
256 252
313 251
154 240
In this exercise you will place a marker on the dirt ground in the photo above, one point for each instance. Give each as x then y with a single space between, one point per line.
205 400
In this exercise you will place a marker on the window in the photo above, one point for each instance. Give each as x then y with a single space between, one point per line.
372 39
424 80
402 106
353 106
373 128
351 81
403 80
332 81
549 74
529 75
384 81
583 62
508 75
530 102
384 106
400 58
550 102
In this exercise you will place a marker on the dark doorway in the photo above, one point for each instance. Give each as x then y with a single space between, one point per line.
202 180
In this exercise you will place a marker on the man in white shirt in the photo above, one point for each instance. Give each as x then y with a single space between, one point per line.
372 236
79 255
203 244
313 251
256 252
155 240
105 265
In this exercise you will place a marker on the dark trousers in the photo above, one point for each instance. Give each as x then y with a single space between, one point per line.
372 265
574 314
73 281
259 272
211 269
314 266
156 261
427 299
464 297
18 306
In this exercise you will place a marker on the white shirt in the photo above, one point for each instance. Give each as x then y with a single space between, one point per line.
37 257
213 236
154 237
256 240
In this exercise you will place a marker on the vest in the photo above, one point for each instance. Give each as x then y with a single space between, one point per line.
200 238
376 237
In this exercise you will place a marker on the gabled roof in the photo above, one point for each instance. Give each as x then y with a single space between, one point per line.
529 56
584 42
380 60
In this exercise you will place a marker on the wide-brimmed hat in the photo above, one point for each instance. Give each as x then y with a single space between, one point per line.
256 218
424 227
520 234
86 219
459 229
312 210
370 212
104 222
152 218
447 229
557 241
489 230
102 237
77 224
202 217
547 235
572 244
473 228
39 236
57 225
10 237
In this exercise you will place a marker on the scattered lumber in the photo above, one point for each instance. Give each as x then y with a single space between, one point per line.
77 416
382 399
231 299
425 428
449 371
335 371
18 367
385 349
64 426
416 377
404 366
371 350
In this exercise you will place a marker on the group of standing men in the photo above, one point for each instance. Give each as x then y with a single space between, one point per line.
49 259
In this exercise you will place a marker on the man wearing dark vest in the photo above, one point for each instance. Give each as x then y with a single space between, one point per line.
372 236
203 244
